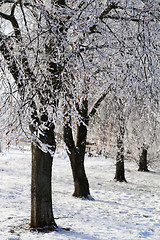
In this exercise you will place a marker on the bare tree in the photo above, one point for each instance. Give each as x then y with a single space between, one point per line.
31 92
134 71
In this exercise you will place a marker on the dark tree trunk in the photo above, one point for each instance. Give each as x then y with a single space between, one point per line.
81 185
120 170
143 163
41 190
76 153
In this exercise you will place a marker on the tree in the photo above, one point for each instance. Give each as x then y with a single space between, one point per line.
32 95
76 149
76 152
120 172
88 44
112 116
133 69
143 165
143 133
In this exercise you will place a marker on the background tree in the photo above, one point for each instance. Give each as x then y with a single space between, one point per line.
143 165
88 74
134 66
143 133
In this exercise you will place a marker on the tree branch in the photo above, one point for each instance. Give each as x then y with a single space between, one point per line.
5 16
12 65
14 68
132 19
108 9
13 20
6 1
14 7
103 14
59 2
25 21
97 104
67 133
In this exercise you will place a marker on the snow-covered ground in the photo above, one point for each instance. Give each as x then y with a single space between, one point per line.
127 211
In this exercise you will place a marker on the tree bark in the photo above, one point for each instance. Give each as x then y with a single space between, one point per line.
81 185
120 170
143 163
41 189
76 155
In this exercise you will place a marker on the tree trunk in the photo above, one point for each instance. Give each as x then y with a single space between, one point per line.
120 171
143 164
81 185
41 190
76 155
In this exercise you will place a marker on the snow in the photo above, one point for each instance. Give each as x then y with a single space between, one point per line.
127 211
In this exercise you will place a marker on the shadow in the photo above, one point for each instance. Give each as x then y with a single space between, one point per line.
108 202
78 235
44 231
153 172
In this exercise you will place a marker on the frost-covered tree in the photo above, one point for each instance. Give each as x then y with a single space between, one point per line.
76 145
134 70
88 77
143 133
30 89
63 55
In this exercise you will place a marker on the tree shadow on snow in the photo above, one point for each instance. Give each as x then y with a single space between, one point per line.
78 235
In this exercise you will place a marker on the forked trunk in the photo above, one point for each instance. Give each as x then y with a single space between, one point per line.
76 155
143 163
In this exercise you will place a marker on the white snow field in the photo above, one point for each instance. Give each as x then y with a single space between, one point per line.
127 211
